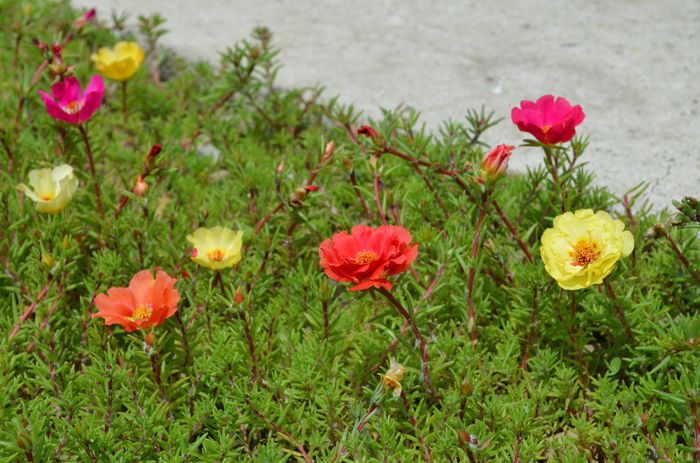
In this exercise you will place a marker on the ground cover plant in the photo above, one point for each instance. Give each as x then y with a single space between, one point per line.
199 265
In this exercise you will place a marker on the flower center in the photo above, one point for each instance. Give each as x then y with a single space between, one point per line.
142 313
545 128
365 257
217 255
73 107
47 197
583 253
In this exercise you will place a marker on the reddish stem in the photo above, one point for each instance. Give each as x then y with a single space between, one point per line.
679 253
377 200
513 231
476 244
31 308
619 311
407 406
91 162
419 337
531 333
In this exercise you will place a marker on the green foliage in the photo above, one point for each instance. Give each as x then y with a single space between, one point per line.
544 382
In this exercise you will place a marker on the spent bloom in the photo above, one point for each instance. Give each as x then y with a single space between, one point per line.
549 120
581 248
217 247
146 303
367 256
495 162
69 103
392 378
51 188
119 63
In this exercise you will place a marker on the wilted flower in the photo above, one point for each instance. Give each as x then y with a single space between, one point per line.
367 255
217 247
581 249
69 104
146 303
119 63
549 120
495 162
51 188
392 378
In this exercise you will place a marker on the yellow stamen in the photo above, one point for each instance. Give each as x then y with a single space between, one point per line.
47 197
217 255
142 313
545 128
365 257
584 253
73 107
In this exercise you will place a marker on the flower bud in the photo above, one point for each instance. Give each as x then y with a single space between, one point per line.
84 19
495 163
238 296
141 187
372 134
150 162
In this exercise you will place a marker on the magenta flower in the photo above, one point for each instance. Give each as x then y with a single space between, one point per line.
549 120
70 104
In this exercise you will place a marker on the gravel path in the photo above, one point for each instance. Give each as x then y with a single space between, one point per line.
634 66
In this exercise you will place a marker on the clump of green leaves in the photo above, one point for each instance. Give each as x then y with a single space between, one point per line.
544 382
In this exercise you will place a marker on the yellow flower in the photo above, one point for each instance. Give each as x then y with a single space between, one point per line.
581 249
392 378
217 247
119 63
51 189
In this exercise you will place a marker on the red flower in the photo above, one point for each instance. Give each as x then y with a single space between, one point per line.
549 120
495 162
367 255
147 302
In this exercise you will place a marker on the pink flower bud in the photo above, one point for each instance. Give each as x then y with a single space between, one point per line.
141 187
495 162
84 19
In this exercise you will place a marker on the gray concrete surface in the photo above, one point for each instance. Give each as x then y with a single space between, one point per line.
634 66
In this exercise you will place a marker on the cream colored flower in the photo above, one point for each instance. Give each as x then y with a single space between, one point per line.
217 247
392 378
119 63
581 249
51 189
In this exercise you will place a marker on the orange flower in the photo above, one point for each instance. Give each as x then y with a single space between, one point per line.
147 302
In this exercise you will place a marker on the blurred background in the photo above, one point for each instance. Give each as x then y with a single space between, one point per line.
634 66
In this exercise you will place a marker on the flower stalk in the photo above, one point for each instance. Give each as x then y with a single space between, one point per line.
91 163
476 245
416 332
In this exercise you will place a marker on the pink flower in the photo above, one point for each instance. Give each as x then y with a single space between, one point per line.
69 103
549 120
495 162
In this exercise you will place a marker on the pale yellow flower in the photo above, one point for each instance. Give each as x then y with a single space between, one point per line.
217 247
51 188
119 63
392 378
581 249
